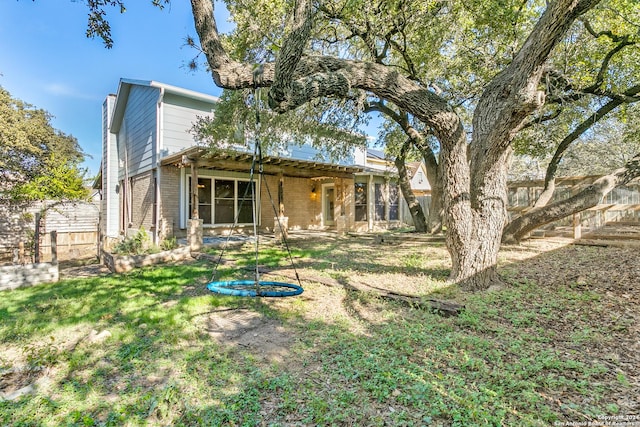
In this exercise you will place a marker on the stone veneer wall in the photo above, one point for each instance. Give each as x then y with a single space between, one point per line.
17 276
124 263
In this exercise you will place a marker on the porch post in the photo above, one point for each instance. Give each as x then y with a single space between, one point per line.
280 195
195 223
387 200
370 202
36 242
577 226
194 191
341 220
54 247
281 222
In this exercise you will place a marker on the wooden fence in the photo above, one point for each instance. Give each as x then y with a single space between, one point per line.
620 206
424 201
25 231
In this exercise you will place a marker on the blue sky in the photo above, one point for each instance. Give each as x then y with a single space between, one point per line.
46 60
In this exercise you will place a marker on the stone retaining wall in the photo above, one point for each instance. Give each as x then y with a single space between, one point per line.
17 276
124 263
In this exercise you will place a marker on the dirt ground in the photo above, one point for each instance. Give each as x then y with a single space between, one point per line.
607 271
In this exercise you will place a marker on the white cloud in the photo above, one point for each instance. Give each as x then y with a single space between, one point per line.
61 89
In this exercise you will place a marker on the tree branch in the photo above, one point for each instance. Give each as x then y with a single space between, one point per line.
510 98
543 118
512 95
327 76
596 87
282 90
552 168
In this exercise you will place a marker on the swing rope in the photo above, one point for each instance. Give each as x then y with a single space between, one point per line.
237 216
240 288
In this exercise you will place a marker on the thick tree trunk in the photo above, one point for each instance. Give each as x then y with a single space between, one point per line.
475 226
474 258
417 214
473 232
585 199
434 222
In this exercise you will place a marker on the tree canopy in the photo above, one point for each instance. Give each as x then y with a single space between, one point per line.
37 162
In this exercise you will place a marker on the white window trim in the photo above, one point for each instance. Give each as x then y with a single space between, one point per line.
184 199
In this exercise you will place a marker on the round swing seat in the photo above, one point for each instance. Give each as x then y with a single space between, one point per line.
251 288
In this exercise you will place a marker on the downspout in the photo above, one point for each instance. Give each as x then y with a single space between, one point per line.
158 177
127 199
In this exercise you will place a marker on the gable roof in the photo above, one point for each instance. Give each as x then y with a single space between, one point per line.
412 168
125 85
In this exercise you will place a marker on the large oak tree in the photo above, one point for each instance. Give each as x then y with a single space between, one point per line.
474 184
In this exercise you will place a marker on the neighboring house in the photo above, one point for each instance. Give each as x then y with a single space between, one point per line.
418 178
155 175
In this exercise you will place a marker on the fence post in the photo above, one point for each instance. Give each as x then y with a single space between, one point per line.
54 247
98 241
21 252
577 226
36 240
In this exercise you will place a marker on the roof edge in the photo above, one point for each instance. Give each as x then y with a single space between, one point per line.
124 88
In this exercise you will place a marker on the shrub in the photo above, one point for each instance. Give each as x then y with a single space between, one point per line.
134 245
169 244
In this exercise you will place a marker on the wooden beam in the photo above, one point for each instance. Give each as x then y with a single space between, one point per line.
292 169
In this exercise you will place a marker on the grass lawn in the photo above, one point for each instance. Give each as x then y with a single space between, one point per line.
559 343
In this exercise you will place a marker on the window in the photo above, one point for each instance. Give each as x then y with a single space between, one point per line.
220 200
394 202
387 202
361 201
380 203
245 202
224 201
204 199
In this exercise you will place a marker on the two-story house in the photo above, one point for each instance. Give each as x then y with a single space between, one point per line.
155 175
